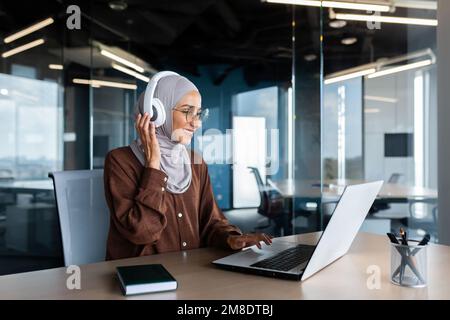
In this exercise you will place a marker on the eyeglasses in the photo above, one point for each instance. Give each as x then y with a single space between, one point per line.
191 115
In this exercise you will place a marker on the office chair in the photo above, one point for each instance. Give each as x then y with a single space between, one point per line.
83 215
429 222
272 204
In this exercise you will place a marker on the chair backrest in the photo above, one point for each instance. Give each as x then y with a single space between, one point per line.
83 215
394 178
257 177
271 200
259 181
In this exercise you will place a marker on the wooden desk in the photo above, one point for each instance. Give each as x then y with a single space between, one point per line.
346 278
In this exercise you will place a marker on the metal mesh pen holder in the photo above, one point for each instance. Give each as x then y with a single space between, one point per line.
409 265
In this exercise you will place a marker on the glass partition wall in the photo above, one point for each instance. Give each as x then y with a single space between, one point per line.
64 105
303 188
379 112
32 144
247 139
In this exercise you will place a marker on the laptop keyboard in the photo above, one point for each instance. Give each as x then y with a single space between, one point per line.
287 259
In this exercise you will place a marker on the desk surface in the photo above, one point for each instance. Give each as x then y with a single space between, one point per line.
346 278
311 189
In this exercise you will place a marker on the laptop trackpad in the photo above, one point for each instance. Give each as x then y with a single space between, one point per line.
275 247
253 254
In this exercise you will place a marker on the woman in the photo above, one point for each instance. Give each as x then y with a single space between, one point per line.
160 199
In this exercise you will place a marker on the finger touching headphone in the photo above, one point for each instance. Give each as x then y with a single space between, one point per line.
154 106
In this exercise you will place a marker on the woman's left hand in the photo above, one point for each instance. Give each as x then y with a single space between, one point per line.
237 242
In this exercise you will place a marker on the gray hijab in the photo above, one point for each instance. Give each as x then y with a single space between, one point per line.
175 159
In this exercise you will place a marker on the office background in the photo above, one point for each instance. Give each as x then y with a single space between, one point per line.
350 101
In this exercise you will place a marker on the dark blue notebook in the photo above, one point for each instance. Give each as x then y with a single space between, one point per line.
145 279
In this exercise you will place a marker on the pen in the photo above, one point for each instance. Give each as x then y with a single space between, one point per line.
403 234
401 268
425 240
392 237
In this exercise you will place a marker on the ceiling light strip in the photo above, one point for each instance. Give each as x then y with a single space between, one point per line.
29 30
376 18
102 83
55 66
336 5
22 48
350 76
130 72
410 66
416 4
124 61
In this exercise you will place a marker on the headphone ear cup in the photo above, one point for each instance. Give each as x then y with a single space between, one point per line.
158 113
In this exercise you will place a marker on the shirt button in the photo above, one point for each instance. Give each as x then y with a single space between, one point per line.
162 189
184 244
165 179
180 215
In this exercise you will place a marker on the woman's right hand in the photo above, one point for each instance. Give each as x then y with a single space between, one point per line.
146 131
237 242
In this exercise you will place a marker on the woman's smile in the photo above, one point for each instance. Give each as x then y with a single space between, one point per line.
189 132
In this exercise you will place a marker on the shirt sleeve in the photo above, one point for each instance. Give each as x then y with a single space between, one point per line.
214 227
137 207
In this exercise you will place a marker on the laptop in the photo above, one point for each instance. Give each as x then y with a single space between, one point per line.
299 261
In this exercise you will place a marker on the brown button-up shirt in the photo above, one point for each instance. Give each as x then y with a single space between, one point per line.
148 219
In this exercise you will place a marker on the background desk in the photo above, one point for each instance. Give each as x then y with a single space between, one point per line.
30 238
198 279
333 188
299 193
32 187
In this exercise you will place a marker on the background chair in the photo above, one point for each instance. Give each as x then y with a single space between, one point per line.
272 205
83 215
423 218
395 178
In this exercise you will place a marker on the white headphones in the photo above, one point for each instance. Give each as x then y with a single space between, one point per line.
154 106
